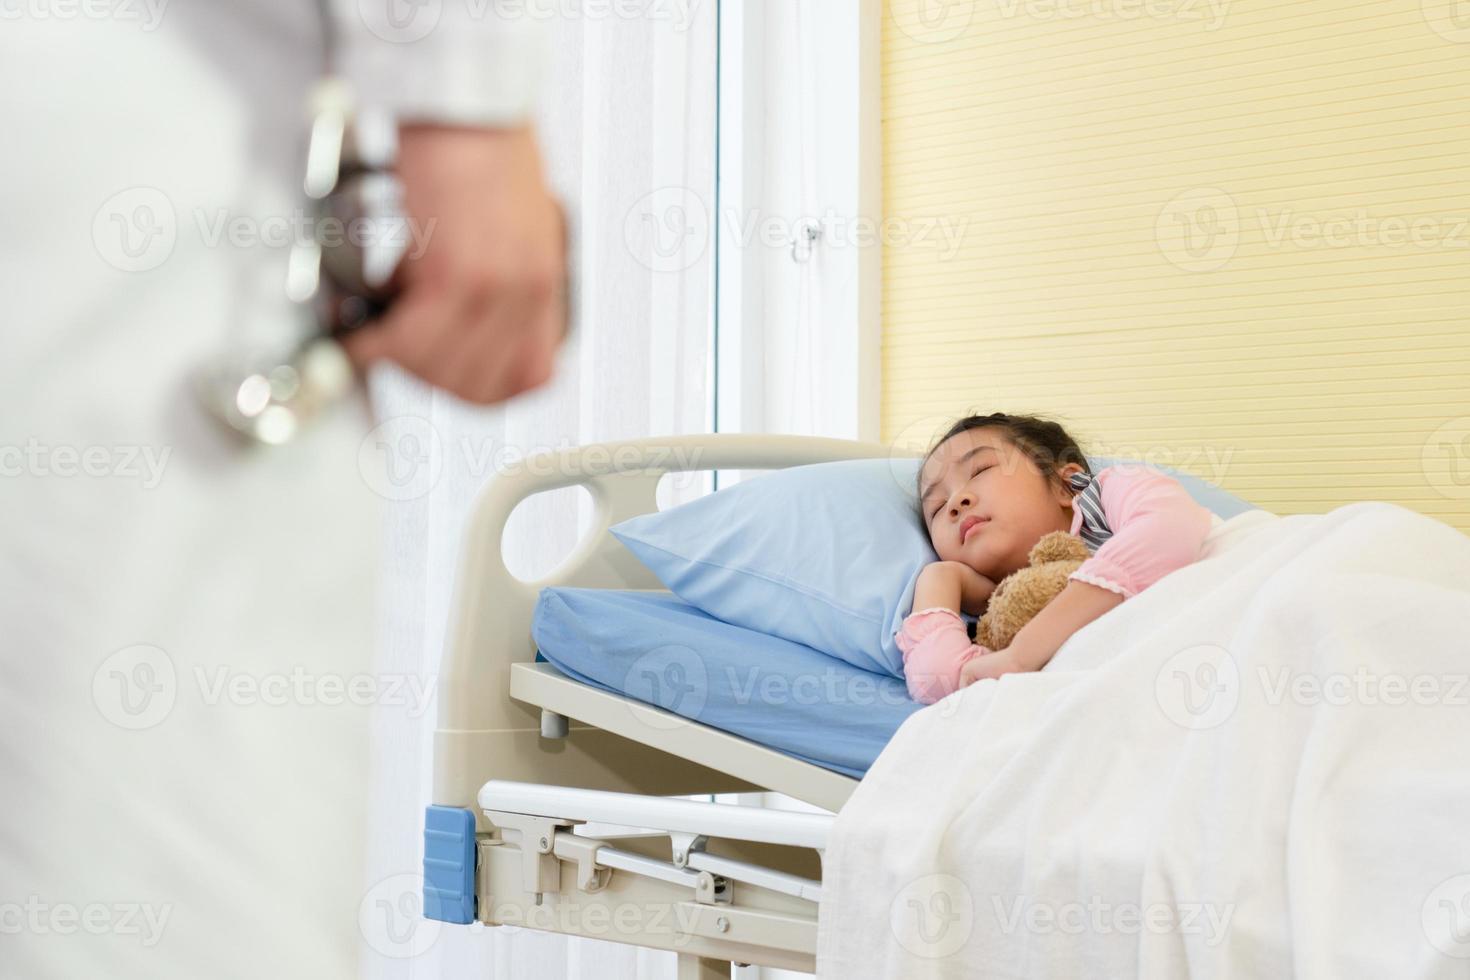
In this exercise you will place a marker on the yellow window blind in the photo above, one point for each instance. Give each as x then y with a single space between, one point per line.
1232 237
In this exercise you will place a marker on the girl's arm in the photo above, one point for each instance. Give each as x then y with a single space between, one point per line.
933 638
1157 528
952 585
1077 605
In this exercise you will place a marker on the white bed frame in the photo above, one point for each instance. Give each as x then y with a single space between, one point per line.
568 784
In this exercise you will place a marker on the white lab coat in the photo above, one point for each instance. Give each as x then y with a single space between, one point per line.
183 769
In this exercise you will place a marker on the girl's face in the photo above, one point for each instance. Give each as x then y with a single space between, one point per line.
978 477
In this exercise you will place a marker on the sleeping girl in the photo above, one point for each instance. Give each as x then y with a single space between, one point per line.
989 489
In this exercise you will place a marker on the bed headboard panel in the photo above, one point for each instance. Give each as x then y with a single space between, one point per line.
483 733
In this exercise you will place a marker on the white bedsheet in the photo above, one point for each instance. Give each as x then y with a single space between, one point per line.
1258 767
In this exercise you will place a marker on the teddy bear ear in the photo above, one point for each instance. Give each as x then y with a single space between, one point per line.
1059 546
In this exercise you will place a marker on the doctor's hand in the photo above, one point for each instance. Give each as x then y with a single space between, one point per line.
480 305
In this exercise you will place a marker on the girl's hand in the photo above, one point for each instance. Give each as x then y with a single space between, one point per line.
990 664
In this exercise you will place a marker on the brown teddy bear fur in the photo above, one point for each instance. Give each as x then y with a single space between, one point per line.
1024 593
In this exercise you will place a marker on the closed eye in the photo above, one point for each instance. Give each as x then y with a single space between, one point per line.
978 471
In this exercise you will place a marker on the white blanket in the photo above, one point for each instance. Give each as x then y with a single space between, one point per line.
1257 767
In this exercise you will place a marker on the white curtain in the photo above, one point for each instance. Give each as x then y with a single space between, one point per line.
628 132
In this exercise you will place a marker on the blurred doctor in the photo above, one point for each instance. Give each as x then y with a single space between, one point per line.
187 622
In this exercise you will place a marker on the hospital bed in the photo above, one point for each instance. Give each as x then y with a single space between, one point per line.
555 802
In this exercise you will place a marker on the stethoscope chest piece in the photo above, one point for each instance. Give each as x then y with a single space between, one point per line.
339 275
268 404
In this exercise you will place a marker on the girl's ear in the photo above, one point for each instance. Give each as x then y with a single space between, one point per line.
1063 493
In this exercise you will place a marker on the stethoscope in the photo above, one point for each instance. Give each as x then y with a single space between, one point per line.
340 283
336 280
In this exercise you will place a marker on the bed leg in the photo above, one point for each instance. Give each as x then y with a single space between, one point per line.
693 967
553 725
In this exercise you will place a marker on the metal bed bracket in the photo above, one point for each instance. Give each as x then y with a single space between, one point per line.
540 867
683 844
591 876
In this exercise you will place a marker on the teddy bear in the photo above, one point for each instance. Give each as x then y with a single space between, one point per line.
1024 593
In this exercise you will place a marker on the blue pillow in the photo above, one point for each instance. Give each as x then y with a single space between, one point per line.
826 555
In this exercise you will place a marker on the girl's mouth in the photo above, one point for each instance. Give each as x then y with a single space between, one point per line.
971 523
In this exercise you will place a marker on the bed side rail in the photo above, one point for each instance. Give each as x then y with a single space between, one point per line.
493 609
483 732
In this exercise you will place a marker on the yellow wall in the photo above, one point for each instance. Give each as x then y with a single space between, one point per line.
1179 230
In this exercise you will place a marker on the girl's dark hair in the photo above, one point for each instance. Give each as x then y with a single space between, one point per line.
1045 442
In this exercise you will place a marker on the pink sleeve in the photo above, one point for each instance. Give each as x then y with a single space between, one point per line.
1157 528
935 646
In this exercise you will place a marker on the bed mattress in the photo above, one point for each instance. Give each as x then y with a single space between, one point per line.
659 649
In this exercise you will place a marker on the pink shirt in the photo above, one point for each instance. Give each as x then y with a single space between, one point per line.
1157 528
